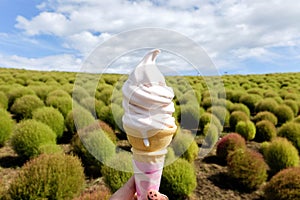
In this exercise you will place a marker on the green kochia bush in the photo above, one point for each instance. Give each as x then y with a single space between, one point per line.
93 147
55 176
284 186
284 114
221 113
6 126
52 117
246 128
265 131
250 101
248 168
265 115
293 105
291 131
25 105
63 104
268 104
235 117
115 178
211 133
208 118
77 119
17 93
178 179
281 154
229 143
185 146
190 114
240 107
29 136
3 100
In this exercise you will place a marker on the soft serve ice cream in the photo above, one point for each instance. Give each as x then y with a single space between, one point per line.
148 122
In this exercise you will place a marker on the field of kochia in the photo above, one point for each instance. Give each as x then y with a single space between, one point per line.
41 112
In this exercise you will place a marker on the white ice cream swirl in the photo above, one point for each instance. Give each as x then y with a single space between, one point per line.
147 100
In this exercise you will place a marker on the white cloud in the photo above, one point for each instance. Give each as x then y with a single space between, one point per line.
229 30
63 62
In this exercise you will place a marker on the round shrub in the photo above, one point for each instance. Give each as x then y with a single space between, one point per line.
80 93
211 134
52 117
221 113
3 100
25 105
190 114
42 91
250 101
281 154
93 146
92 105
58 93
114 178
228 143
246 129
293 105
297 119
29 135
240 107
63 104
265 115
248 168
178 179
284 114
267 104
208 118
265 131
235 117
77 119
291 131
105 95
18 92
185 146
284 186
6 126
49 176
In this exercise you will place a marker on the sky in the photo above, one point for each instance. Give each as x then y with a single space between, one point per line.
239 36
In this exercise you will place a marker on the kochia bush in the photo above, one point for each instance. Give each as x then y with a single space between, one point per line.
112 176
185 146
265 131
267 104
3 100
247 129
291 131
228 143
178 179
52 117
281 154
55 176
235 117
6 126
248 168
29 135
285 185
240 107
265 115
25 105
284 114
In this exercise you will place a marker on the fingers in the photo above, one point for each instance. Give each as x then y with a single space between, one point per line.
154 195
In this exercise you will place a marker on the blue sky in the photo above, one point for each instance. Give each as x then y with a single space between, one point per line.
240 37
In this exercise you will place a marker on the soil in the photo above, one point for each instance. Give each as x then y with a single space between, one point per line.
212 178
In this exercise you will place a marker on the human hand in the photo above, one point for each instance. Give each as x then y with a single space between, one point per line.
127 192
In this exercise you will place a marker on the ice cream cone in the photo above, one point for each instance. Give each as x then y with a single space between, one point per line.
148 122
